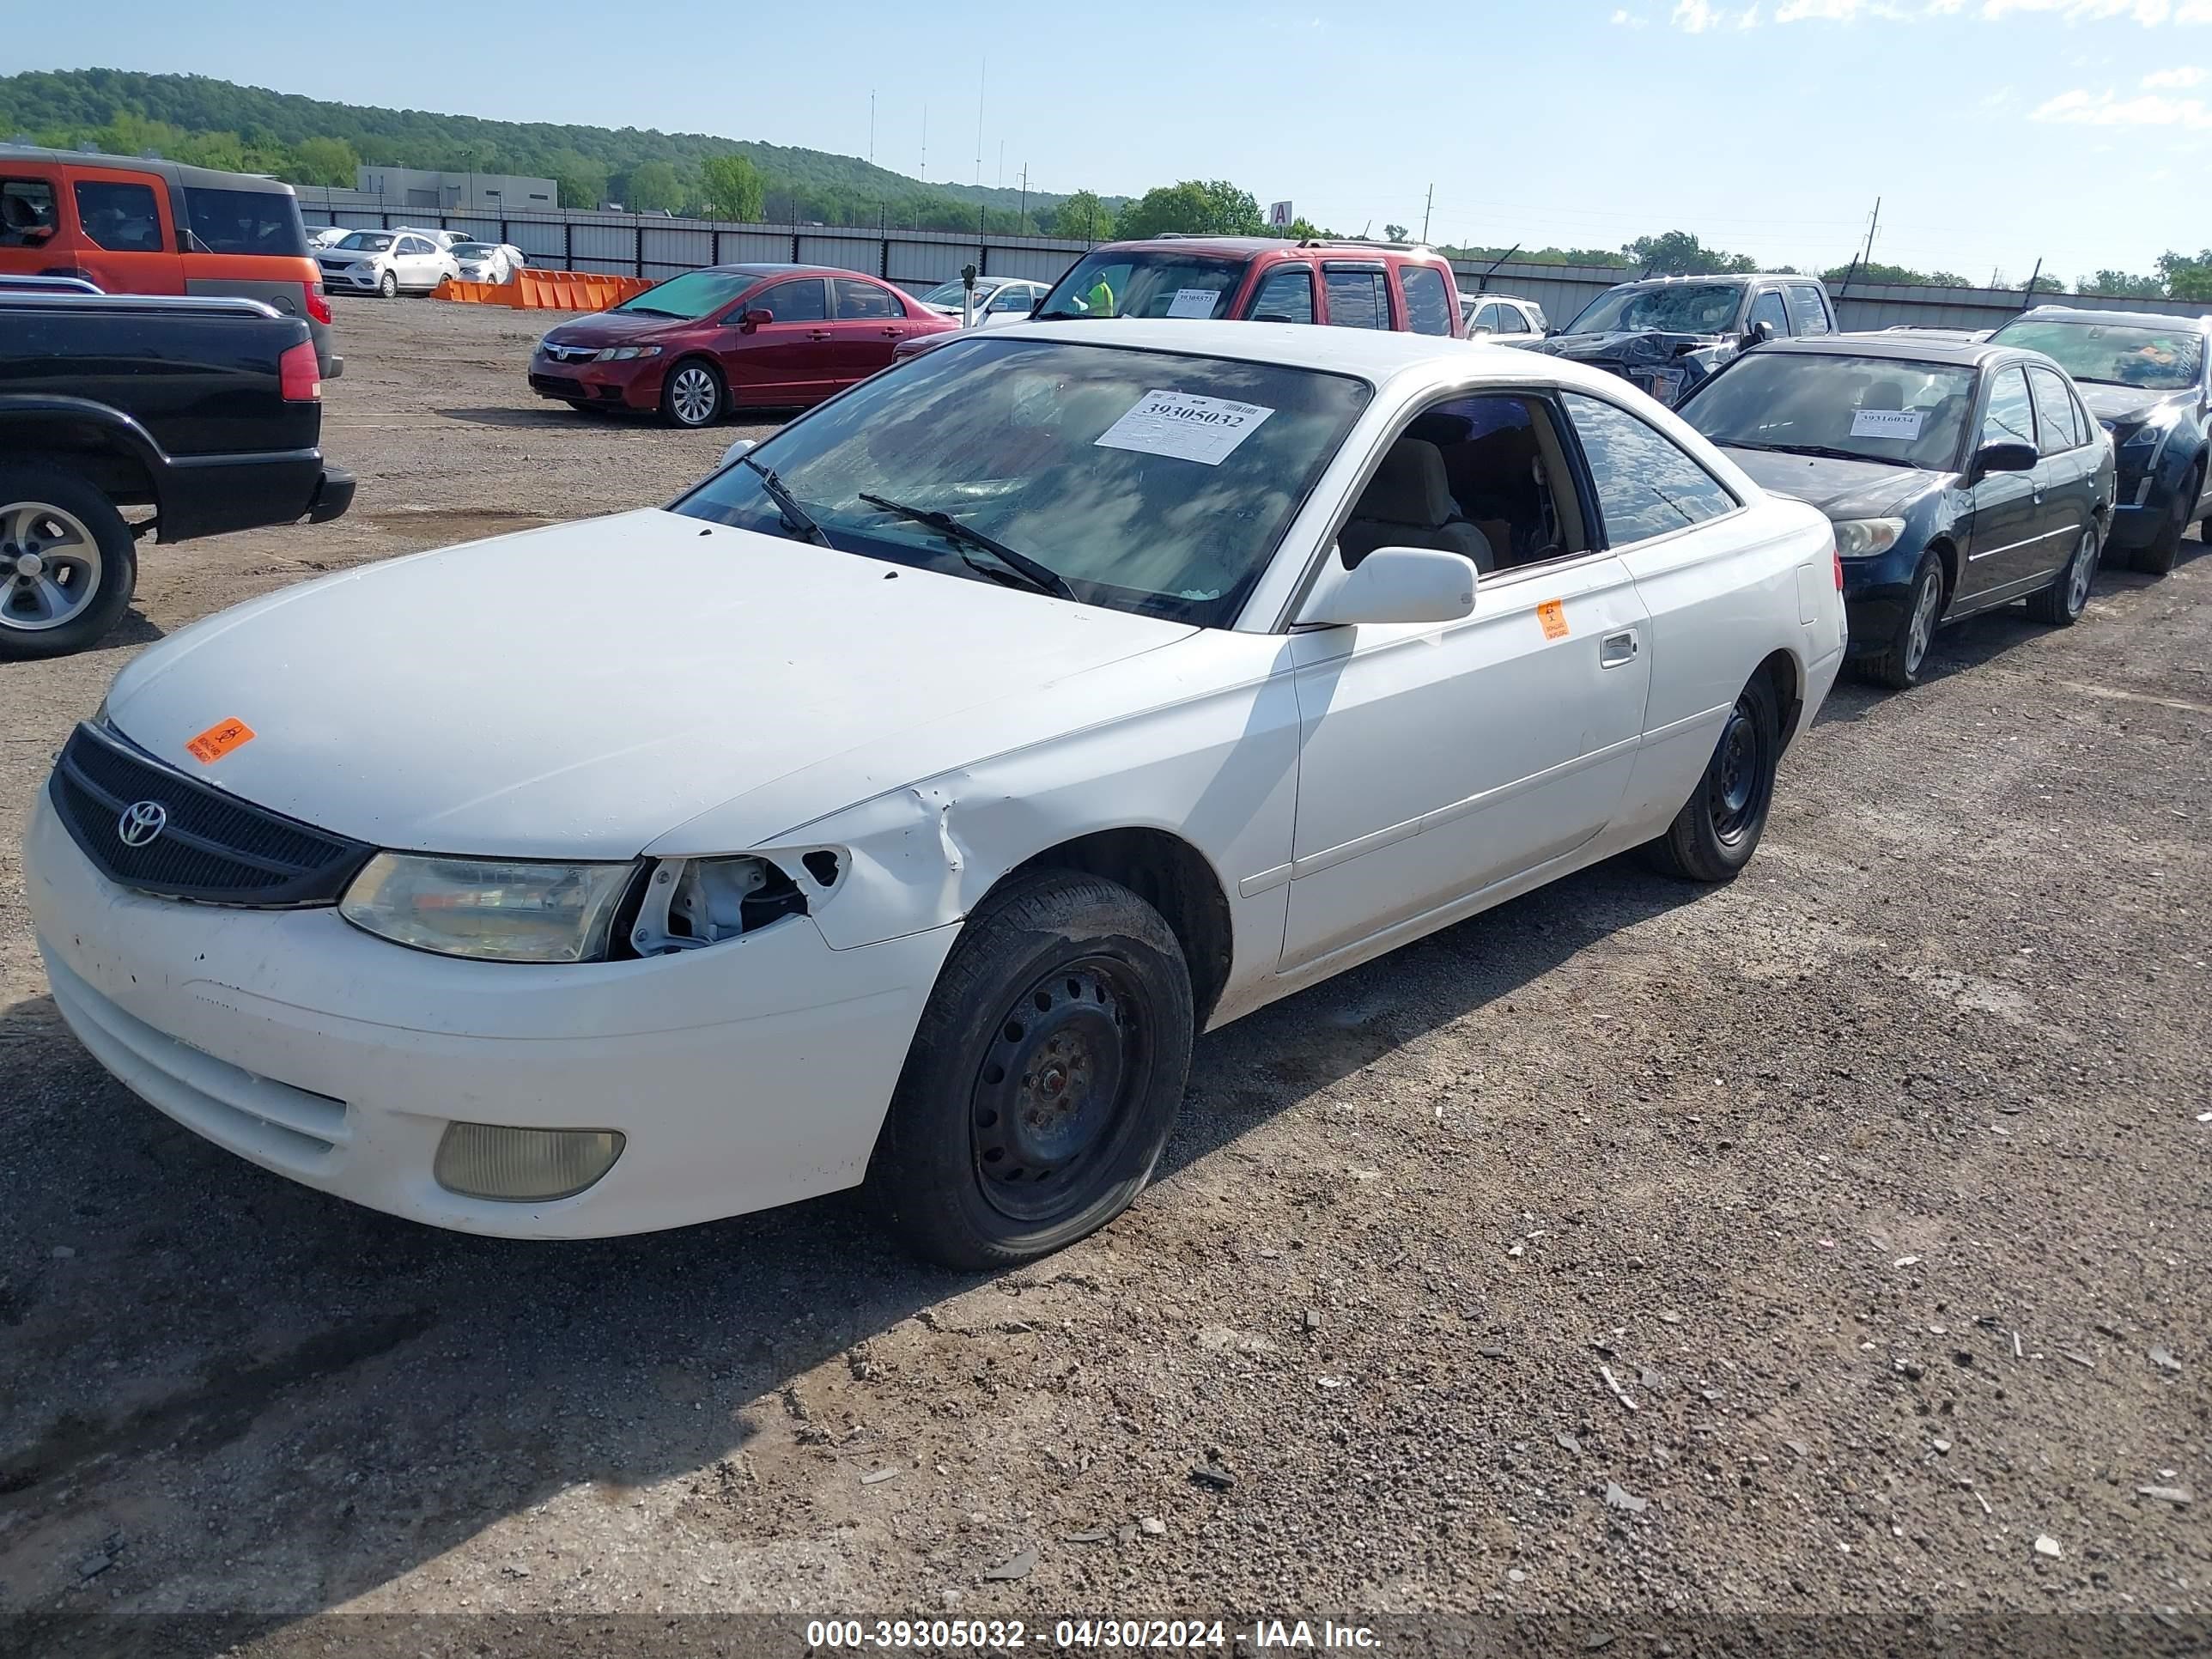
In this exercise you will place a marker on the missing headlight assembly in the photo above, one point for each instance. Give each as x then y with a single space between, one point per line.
691 904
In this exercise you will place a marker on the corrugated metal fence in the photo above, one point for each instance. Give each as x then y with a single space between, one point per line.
630 244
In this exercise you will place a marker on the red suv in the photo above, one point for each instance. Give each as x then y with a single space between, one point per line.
701 344
1257 279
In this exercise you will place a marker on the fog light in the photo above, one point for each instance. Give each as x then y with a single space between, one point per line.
485 1160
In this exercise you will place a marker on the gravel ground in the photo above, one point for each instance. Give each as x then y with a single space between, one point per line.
1814 1245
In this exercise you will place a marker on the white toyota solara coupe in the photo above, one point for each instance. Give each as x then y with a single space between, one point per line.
981 737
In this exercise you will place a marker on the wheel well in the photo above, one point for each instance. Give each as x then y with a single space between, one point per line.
1174 877
1781 672
1947 556
92 452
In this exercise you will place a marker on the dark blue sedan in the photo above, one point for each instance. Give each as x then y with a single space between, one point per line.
1959 477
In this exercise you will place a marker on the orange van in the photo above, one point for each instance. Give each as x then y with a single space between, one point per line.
151 226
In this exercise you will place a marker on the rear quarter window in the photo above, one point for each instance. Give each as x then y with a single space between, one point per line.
1428 299
119 217
263 221
26 211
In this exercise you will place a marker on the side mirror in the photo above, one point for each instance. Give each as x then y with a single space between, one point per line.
1394 584
2002 457
735 452
752 319
1480 330
1762 331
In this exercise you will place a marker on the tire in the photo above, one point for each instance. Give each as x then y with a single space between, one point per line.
1897 664
1718 829
1055 1048
2157 558
82 563
387 286
2061 603
693 396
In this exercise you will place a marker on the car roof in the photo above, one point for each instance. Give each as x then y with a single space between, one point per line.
1967 354
1377 354
1248 246
190 178
2127 318
770 268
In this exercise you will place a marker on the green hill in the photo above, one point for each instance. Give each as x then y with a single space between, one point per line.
214 122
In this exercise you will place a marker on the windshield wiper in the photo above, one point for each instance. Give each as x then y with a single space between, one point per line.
1042 577
795 517
1824 451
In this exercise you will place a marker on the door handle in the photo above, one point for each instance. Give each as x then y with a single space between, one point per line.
818 334
1615 649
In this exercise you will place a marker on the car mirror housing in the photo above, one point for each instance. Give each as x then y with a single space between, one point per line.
1395 585
735 452
751 319
1761 331
2001 457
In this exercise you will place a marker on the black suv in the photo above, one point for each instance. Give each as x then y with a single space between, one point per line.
1665 334
2148 379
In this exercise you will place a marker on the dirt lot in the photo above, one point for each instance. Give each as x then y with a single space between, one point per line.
1876 1182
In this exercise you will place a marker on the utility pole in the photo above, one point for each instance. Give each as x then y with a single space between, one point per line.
872 126
925 141
1002 164
1426 207
982 74
1023 221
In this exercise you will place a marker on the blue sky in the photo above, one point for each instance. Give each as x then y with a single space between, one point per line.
1994 131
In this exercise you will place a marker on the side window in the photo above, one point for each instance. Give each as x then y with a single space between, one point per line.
1485 316
1511 321
859 302
799 301
1358 299
121 218
1809 317
1767 308
1428 302
1285 295
415 245
27 212
2009 420
1013 299
1483 475
1646 484
2054 412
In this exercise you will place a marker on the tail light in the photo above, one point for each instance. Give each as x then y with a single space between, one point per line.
302 376
318 303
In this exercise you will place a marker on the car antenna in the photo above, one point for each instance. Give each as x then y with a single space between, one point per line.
1482 283
2027 300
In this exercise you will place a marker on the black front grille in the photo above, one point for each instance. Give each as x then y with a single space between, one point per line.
559 386
213 847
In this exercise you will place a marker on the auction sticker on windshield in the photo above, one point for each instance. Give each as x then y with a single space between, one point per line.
1193 302
1886 423
1186 425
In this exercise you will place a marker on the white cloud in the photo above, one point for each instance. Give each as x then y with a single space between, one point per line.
1696 17
1628 20
2107 109
2186 75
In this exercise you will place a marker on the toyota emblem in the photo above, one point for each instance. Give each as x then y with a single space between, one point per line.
142 822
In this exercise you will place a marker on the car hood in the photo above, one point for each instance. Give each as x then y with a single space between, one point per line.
1842 489
1641 346
607 328
2127 405
581 690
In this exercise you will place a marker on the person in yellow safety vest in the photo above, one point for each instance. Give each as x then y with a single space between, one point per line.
1100 300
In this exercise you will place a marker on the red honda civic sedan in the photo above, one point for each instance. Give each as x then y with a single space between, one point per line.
731 337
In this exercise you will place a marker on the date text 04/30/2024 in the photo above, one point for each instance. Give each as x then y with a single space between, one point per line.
1006 1635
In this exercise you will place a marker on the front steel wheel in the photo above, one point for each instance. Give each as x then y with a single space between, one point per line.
1043 1078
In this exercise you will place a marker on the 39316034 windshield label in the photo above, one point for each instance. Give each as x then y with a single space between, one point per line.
1185 426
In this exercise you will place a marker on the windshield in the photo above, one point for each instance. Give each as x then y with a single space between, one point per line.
367 241
693 295
1698 308
1874 409
948 294
1149 481
2155 359
1122 283
472 250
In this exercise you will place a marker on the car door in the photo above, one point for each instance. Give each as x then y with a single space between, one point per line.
2068 474
415 259
124 239
1485 319
1440 760
791 356
2008 531
869 323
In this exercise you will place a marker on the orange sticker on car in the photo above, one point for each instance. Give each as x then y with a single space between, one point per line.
1552 613
218 740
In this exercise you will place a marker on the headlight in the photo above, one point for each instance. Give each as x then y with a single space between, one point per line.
623 353
2143 445
497 910
1861 538
360 267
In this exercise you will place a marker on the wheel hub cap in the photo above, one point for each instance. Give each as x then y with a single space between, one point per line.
28 567
50 567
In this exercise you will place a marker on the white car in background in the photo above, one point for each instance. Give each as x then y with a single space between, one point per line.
441 239
1486 314
328 235
1116 689
487 262
999 300
385 262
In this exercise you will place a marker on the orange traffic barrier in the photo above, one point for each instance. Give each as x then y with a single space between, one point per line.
547 290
